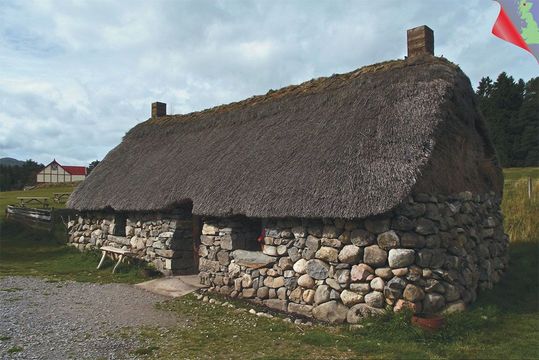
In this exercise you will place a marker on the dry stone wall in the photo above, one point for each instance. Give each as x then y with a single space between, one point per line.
431 254
163 240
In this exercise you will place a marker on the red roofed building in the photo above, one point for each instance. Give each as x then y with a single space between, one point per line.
56 173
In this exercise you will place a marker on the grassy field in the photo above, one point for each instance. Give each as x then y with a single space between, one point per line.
25 251
10 197
31 252
502 324
514 174
521 213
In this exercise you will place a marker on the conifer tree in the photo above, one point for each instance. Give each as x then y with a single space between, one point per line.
511 111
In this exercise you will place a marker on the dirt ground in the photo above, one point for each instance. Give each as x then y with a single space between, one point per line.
63 320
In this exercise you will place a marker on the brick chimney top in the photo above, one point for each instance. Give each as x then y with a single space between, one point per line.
159 109
420 41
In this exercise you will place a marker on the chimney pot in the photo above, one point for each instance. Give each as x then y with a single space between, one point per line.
159 109
420 41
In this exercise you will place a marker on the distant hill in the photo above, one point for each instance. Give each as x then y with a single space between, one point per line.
7 161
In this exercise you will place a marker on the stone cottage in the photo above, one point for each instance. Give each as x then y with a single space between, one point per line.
331 199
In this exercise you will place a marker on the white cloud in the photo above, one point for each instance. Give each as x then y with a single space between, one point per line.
76 75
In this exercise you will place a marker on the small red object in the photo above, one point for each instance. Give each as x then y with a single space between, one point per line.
260 239
262 236
428 322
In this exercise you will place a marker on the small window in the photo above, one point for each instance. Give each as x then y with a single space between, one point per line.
120 221
54 167
250 236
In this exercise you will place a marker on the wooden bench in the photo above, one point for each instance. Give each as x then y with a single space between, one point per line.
25 200
114 252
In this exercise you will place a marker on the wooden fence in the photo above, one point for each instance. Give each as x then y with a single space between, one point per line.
42 219
36 218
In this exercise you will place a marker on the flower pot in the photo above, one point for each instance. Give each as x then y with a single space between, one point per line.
428 322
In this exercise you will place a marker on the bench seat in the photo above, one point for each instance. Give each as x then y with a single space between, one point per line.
115 250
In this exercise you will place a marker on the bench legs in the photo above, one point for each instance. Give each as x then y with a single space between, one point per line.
102 259
120 258
118 263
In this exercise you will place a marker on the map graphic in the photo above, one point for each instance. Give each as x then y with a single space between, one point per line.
517 23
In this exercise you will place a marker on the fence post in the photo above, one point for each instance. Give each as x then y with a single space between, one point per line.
529 187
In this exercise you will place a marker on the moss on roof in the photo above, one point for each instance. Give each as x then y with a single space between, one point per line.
345 146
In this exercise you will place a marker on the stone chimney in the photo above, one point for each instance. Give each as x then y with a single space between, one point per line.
420 41
159 109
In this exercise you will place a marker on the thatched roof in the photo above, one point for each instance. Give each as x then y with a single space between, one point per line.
345 146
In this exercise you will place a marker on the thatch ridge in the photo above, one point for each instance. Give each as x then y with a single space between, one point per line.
324 83
346 146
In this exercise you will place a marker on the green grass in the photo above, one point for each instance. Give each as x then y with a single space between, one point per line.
512 174
29 252
521 213
145 350
14 349
12 289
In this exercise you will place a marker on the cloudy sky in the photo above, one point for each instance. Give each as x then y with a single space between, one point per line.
76 75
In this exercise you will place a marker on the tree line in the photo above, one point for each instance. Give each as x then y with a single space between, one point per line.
15 177
511 111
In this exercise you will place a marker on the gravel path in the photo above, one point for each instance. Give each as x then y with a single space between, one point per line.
71 320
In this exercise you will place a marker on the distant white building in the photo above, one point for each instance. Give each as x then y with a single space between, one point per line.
56 173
